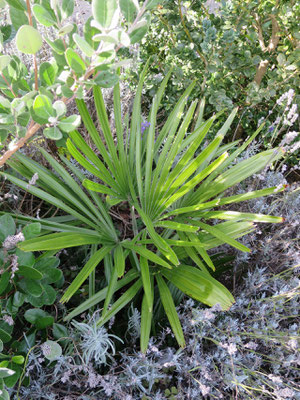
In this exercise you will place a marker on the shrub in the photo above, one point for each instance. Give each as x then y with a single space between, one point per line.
36 93
26 286
243 55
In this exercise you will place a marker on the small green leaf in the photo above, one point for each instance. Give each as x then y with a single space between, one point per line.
43 16
146 279
57 45
49 295
51 350
10 381
106 12
66 29
42 107
38 317
4 281
60 108
139 32
18 360
4 62
60 331
47 73
25 258
83 45
32 230
199 285
52 133
5 372
29 272
4 395
31 287
129 9
4 336
74 61
44 322
18 299
7 226
18 4
70 123
5 103
23 119
18 18
106 79
28 40
66 91
67 8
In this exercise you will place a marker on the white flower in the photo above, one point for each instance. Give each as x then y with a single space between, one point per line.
231 348
213 7
251 345
204 389
33 180
290 136
46 349
284 393
8 319
275 379
12 240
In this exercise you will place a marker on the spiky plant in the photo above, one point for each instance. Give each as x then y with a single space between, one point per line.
168 187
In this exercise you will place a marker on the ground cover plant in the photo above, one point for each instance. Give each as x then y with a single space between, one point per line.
115 216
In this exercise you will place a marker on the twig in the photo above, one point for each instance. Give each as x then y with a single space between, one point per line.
20 143
29 12
34 57
273 42
8 85
36 83
187 32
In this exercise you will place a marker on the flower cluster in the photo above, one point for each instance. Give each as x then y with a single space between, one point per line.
144 126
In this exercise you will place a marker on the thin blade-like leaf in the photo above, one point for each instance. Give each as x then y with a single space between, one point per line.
92 263
200 286
101 295
145 273
121 302
146 319
57 241
221 235
141 250
170 310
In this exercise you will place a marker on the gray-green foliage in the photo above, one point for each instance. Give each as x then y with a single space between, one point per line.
25 282
219 45
76 61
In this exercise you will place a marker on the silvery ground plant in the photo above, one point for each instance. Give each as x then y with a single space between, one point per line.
248 352
146 214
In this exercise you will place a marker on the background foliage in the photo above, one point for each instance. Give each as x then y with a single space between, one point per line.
243 54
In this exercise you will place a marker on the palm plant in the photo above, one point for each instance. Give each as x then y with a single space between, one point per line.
168 189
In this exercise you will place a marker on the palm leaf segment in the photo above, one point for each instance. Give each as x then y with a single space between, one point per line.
171 187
